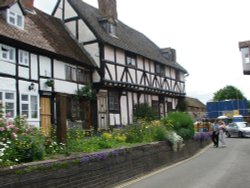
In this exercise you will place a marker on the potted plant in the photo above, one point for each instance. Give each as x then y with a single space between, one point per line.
50 82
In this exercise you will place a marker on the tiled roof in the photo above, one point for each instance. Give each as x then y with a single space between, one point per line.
193 102
127 38
45 32
6 3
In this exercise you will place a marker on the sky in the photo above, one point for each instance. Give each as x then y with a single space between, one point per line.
204 33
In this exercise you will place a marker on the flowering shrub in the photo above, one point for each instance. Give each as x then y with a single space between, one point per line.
19 142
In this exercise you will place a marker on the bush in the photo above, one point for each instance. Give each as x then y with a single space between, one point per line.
19 142
144 111
182 124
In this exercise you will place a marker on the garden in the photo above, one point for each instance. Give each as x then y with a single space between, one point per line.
21 143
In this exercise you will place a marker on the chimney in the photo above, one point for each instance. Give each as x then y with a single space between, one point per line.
108 8
169 54
28 4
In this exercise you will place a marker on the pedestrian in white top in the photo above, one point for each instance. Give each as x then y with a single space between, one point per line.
222 128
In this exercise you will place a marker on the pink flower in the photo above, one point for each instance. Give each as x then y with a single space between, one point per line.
14 135
8 115
2 128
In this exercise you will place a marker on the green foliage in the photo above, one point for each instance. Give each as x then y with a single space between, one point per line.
182 105
144 111
19 142
183 124
228 93
86 92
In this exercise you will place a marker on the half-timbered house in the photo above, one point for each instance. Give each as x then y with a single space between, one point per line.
41 67
131 69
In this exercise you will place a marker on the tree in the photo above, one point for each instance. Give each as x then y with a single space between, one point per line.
228 93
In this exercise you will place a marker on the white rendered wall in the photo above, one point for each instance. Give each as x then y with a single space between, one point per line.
65 87
93 50
69 11
109 53
114 119
7 84
124 112
140 62
85 34
59 70
120 57
7 68
45 66
34 67
130 107
23 72
59 11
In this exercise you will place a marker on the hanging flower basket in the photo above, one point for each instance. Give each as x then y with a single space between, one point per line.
50 82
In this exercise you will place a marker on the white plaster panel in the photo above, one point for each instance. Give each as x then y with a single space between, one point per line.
132 73
130 107
85 34
24 72
8 84
146 65
139 75
69 11
167 70
72 28
45 66
152 66
124 112
135 98
59 12
43 85
141 99
59 69
34 67
120 57
119 72
114 119
140 62
111 70
24 87
65 87
16 8
7 68
155 97
96 77
93 50
109 53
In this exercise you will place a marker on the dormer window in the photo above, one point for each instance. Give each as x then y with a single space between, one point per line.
15 19
130 59
109 27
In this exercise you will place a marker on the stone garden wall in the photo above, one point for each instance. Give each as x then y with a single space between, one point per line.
97 170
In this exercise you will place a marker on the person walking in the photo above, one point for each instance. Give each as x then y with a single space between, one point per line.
215 133
222 129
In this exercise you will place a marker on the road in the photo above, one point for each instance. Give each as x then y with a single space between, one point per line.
212 168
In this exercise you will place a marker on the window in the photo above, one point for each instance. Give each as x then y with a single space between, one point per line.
114 102
29 106
23 57
77 74
7 100
159 69
130 59
7 53
246 58
83 75
15 19
70 73
109 27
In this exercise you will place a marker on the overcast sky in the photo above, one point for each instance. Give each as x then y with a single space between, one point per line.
204 33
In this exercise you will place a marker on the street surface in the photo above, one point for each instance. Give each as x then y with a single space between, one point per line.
212 168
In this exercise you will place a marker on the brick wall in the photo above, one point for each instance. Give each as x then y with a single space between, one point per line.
102 169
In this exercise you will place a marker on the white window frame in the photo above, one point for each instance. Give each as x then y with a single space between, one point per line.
5 100
30 106
7 53
246 58
15 19
23 57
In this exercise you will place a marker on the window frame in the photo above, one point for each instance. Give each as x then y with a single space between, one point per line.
114 101
18 19
159 69
9 52
130 59
23 58
4 100
29 103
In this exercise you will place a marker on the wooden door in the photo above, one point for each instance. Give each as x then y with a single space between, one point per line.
102 111
45 113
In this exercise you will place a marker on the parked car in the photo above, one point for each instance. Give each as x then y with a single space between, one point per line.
239 129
